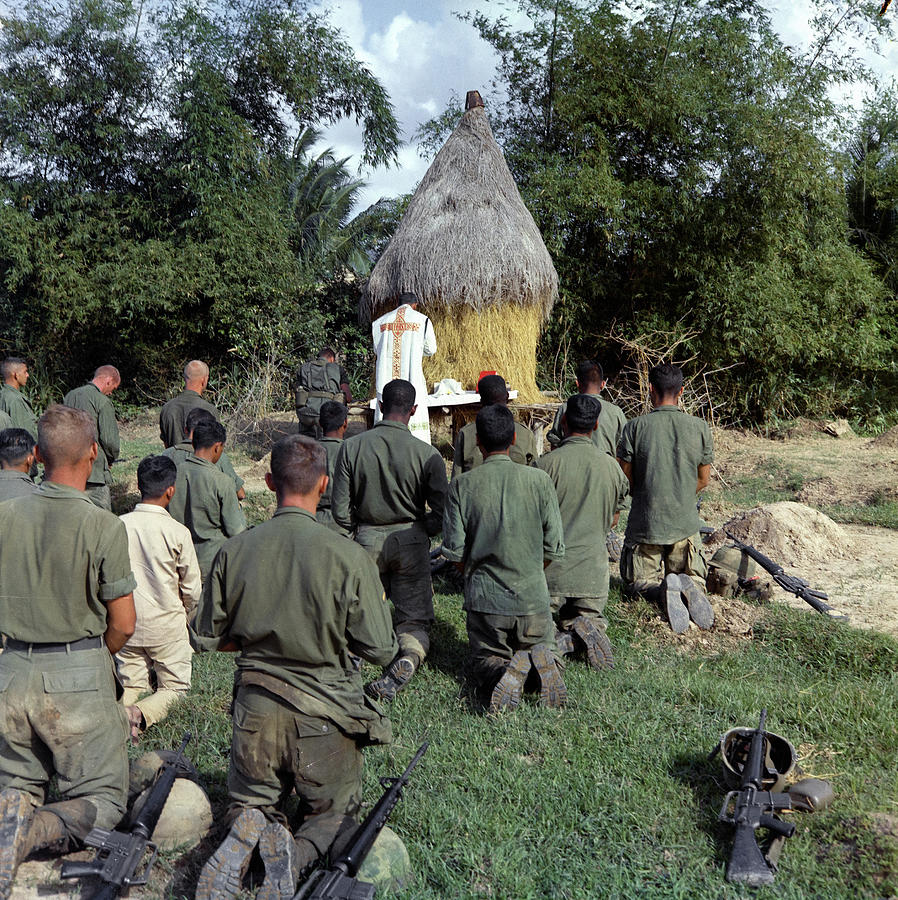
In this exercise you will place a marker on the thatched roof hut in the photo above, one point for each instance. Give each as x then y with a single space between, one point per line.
470 250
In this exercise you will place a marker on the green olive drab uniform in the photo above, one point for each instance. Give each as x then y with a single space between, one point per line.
15 484
58 708
206 503
606 437
317 382
173 415
466 454
15 404
501 522
665 448
180 451
94 402
591 489
324 514
384 480
6 422
300 714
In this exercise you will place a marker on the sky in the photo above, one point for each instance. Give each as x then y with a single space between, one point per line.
421 53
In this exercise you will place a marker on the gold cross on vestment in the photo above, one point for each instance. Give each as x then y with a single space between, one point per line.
398 326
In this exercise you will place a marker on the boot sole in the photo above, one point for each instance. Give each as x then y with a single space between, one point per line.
15 816
222 876
509 689
552 691
676 611
598 647
279 855
700 610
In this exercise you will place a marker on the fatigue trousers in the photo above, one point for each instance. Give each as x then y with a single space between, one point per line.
59 716
402 554
100 495
170 660
644 566
493 639
276 749
566 608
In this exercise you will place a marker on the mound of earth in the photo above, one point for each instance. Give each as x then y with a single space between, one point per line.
259 469
789 533
887 438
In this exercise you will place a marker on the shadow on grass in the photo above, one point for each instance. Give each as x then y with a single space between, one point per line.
700 772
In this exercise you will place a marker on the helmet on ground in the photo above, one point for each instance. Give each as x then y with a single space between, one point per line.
186 816
779 758
731 571
143 770
387 865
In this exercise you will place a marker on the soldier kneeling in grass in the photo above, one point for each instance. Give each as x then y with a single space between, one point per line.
501 527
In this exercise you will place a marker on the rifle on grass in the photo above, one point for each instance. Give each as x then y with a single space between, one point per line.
339 882
120 854
791 583
749 809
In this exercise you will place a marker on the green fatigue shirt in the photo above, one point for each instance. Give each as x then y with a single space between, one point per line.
466 454
665 448
591 488
386 476
14 483
502 521
205 501
298 599
6 422
332 449
67 560
15 404
173 415
606 437
182 449
92 400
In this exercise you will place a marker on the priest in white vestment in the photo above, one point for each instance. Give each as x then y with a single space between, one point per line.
402 338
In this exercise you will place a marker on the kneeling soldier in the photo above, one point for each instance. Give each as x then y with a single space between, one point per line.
300 714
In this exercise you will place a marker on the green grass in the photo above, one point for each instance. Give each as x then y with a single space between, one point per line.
881 512
615 796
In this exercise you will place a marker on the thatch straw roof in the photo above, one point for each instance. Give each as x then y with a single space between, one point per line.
466 237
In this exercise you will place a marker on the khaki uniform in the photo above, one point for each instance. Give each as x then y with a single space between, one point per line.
15 404
502 521
58 710
300 714
180 451
591 489
168 589
466 455
93 401
317 382
324 514
665 448
384 480
173 415
206 503
605 437
15 484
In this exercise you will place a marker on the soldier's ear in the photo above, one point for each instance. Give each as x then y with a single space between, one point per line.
169 492
414 409
323 482
269 482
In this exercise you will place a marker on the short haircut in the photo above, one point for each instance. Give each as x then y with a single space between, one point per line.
332 415
297 463
11 364
196 368
582 413
408 297
666 379
590 372
155 475
398 396
197 415
492 389
327 353
207 433
108 372
15 445
495 428
65 435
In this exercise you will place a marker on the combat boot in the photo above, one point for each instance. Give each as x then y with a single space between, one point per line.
48 833
395 677
672 598
278 851
595 643
700 610
16 811
552 691
222 876
510 688
564 641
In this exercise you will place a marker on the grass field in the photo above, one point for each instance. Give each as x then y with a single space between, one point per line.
615 796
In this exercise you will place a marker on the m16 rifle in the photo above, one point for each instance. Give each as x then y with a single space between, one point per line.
120 854
749 809
791 583
339 882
